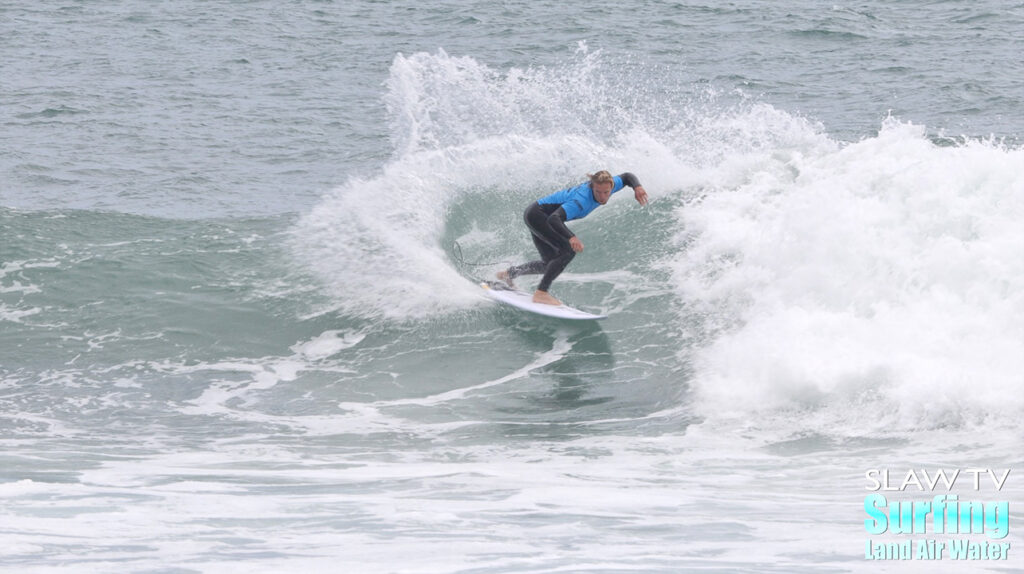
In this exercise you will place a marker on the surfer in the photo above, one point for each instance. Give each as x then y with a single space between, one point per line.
557 245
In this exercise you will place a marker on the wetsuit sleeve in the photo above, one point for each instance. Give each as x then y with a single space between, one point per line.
629 179
557 222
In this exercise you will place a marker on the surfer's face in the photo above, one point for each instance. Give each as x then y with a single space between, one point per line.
602 191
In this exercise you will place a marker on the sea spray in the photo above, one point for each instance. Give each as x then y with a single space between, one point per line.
468 135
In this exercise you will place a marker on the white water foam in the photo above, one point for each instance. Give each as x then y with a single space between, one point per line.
882 282
11 281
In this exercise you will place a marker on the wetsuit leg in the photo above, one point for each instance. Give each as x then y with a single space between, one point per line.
554 249
531 268
547 253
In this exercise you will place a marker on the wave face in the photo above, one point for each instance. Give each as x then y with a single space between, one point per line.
483 143
853 280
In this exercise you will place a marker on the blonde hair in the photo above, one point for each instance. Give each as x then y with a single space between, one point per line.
601 177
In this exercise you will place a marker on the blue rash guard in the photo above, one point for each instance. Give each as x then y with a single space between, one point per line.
578 202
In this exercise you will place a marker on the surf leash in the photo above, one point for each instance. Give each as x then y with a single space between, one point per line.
457 252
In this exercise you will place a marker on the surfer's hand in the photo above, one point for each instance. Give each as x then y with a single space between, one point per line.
576 244
641 194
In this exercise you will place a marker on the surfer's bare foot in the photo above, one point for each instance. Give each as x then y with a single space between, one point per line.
543 297
504 277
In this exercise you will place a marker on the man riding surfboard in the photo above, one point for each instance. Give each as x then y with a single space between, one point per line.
556 244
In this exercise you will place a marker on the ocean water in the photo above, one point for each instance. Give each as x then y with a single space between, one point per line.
239 326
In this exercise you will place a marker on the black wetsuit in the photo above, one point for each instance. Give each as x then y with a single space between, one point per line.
551 237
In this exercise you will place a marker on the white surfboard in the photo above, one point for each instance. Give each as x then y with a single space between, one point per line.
499 292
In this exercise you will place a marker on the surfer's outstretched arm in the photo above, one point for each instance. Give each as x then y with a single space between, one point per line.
638 190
